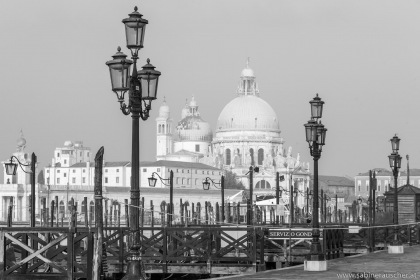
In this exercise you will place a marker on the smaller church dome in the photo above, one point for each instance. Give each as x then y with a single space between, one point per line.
164 110
247 72
193 103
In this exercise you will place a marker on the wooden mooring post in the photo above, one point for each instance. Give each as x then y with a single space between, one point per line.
97 256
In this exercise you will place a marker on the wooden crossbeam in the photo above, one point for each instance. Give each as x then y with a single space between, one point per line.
35 253
234 244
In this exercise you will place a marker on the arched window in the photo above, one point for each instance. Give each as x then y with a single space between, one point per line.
263 184
251 152
260 156
228 157
61 208
183 181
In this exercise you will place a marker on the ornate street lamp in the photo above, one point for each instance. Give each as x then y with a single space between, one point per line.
315 136
395 164
206 186
152 183
11 170
142 90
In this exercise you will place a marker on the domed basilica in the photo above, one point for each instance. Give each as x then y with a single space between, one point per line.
247 134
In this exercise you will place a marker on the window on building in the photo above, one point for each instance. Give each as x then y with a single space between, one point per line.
378 188
177 181
182 170
227 152
48 171
158 170
58 171
189 181
106 179
73 180
87 153
106 170
84 170
65 174
359 188
260 156
84 180
58 181
58 154
117 179
203 171
183 181
144 169
74 170
208 172
197 148
118 170
196 182
80 153
196 171
65 161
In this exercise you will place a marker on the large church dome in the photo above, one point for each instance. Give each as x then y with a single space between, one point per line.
247 111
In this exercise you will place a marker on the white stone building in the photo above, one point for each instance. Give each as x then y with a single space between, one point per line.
247 133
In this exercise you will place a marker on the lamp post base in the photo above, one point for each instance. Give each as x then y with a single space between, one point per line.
395 249
135 268
315 265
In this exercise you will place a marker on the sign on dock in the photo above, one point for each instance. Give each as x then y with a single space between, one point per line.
300 233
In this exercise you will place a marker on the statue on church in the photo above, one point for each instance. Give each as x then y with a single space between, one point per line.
21 143
248 159
291 162
279 159
268 161
236 159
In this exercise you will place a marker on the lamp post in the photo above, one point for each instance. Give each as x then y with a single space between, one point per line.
395 164
206 186
315 136
308 197
152 183
251 171
11 170
142 90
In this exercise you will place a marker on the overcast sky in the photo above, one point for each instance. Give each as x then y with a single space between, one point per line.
362 57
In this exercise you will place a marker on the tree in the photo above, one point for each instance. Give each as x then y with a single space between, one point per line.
232 182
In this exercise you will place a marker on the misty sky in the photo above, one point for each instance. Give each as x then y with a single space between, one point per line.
362 57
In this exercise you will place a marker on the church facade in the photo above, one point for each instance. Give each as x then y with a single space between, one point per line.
247 134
